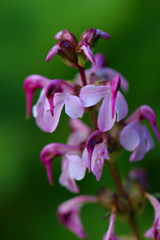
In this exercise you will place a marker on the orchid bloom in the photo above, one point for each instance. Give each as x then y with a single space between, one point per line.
48 109
95 153
113 103
109 235
60 93
73 168
72 53
100 71
154 231
31 83
52 150
135 136
69 211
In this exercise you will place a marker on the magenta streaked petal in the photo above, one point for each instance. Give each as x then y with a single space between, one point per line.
52 150
121 106
105 120
57 86
73 106
129 137
49 173
100 153
102 34
31 83
87 51
69 214
50 122
91 94
53 51
114 86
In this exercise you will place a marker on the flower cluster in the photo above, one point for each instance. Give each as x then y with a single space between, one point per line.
96 91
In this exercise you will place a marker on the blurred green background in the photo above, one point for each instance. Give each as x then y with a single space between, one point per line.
27 202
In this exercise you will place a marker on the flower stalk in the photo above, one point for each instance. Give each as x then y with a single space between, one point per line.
98 92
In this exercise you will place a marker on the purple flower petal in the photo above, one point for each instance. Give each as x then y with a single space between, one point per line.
129 137
52 122
139 153
64 179
100 153
73 106
87 51
53 51
105 120
102 34
121 106
91 94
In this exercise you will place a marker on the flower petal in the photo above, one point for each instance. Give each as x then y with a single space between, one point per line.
129 137
139 153
65 180
121 106
100 153
77 167
105 120
73 107
87 51
148 137
91 94
53 51
49 121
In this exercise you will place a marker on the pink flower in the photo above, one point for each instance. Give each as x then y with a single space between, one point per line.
68 214
109 235
95 153
135 136
113 102
30 85
154 231
48 109
52 150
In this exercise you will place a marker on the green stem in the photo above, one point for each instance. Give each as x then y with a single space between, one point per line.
93 118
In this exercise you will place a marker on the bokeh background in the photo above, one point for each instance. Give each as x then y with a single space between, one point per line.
27 202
